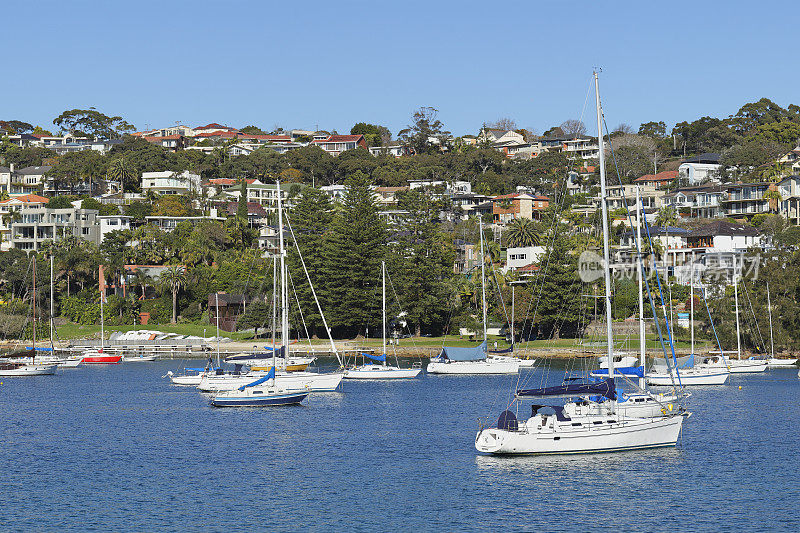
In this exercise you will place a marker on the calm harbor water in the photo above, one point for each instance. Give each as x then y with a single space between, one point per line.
120 449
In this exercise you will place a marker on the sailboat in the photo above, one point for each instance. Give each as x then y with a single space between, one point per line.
774 362
739 365
474 360
21 366
382 370
643 404
690 370
567 429
93 356
273 388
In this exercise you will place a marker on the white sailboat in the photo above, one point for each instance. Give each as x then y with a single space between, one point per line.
691 370
774 362
382 370
739 365
570 429
269 390
25 366
452 360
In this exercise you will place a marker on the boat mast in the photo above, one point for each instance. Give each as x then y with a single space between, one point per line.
691 300
383 315
771 340
284 310
102 319
640 275
736 304
483 285
216 303
52 305
274 302
33 358
606 238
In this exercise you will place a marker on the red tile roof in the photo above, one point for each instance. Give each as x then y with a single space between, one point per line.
214 125
28 199
339 139
667 175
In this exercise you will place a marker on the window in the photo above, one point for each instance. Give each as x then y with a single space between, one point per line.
85 231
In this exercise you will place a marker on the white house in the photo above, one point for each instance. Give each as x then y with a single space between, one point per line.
519 257
168 182
698 169
109 223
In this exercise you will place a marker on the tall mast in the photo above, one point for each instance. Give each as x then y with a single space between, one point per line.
52 305
34 308
274 302
691 300
771 340
383 315
216 303
284 310
483 283
606 238
736 303
640 275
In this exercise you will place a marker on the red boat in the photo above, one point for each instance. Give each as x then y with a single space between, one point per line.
98 357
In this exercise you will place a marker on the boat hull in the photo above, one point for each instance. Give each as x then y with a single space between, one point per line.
747 366
289 398
781 363
625 434
313 381
28 370
381 372
186 380
138 358
472 367
98 358
689 378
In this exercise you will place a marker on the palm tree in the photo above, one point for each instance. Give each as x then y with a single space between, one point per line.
123 171
522 232
173 278
773 195
141 279
667 216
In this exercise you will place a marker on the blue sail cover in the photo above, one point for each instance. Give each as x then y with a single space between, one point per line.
453 353
637 371
39 349
248 356
507 350
270 375
375 357
605 388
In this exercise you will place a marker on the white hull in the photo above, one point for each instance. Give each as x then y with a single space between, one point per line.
71 362
182 379
281 363
589 434
29 370
774 362
511 359
689 377
138 358
381 372
747 366
293 380
473 367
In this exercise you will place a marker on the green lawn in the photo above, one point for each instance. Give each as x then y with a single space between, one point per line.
76 331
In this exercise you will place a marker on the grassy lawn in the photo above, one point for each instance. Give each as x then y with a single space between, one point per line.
76 331
593 343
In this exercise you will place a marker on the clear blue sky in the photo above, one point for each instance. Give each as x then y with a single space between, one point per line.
307 63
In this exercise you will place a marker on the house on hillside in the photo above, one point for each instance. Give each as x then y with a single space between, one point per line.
169 182
508 207
662 179
701 168
789 189
747 199
336 144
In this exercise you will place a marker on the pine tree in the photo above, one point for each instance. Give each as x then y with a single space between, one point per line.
561 310
353 251
421 263
310 219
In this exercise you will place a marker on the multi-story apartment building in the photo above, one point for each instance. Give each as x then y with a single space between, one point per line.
747 199
34 225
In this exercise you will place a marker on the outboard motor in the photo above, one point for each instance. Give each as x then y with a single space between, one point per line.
507 421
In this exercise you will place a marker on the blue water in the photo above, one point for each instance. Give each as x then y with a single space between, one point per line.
118 448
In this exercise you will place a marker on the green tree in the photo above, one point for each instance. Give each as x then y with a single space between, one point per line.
252 130
354 248
122 171
657 130
522 232
173 278
374 135
426 133
561 310
92 122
